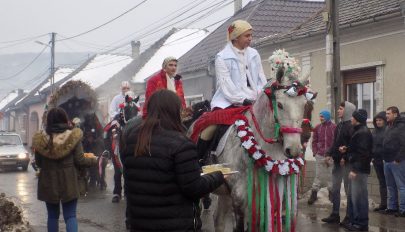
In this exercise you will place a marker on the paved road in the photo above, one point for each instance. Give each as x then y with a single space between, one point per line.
97 213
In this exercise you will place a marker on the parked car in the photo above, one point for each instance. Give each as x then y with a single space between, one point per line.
12 151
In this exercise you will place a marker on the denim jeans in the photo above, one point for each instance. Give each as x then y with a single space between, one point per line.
357 200
339 174
69 214
395 179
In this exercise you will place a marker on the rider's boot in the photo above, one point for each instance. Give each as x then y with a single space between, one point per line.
202 150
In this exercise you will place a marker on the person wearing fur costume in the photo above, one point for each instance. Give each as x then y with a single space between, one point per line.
58 152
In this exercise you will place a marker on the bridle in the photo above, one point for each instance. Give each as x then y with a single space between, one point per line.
293 90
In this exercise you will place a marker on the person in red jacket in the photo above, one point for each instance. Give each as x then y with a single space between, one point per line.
167 78
322 140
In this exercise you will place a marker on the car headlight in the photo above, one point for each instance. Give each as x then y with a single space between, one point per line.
22 155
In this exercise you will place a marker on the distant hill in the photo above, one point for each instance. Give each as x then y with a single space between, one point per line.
10 64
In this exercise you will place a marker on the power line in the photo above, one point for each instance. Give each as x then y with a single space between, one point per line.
209 13
156 30
26 67
23 39
14 44
109 21
163 18
39 75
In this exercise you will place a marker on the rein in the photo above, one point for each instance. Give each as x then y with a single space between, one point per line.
269 91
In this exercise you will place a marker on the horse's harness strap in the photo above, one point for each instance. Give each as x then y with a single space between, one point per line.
270 92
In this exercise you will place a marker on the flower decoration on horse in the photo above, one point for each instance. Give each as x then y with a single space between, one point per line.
282 64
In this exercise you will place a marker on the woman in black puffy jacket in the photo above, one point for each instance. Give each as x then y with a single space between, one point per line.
163 180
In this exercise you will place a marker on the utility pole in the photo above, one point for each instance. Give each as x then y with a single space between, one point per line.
53 35
333 75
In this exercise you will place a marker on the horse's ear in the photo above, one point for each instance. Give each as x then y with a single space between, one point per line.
304 79
136 99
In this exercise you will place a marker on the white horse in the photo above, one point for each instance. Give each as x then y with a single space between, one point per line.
261 118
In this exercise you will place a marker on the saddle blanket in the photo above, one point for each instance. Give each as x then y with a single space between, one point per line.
226 116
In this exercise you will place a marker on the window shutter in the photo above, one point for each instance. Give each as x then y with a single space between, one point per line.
359 76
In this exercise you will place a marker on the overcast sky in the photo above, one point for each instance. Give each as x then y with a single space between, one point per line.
27 18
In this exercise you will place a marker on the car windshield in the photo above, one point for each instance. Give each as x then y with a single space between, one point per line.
9 140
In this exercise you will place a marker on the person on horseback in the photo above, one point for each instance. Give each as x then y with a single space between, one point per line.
166 78
114 115
114 109
239 73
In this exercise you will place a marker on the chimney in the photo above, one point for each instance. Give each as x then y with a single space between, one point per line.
237 5
135 49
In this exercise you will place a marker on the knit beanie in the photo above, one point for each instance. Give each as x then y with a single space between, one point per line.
360 115
167 60
237 28
325 114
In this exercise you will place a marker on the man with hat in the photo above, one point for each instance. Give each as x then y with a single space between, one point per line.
358 154
166 78
239 73
322 140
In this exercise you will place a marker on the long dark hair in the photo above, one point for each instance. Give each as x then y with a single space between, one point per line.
57 121
163 109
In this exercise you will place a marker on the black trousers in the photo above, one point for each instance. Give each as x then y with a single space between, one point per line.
379 170
117 177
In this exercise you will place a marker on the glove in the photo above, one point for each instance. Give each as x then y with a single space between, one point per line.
248 102
177 77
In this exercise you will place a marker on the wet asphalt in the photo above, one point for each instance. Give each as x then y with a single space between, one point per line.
96 212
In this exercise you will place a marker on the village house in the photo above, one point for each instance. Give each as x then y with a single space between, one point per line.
371 35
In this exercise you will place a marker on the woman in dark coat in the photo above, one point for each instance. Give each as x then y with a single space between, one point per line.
58 151
163 180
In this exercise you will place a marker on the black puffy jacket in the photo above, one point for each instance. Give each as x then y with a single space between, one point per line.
378 138
359 149
163 188
342 135
394 141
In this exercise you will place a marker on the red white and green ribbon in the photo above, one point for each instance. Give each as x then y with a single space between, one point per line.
266 192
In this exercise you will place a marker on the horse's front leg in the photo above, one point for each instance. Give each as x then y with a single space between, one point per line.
239 215
221 212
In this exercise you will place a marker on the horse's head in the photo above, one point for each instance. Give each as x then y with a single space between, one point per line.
200 107
196 111
288 95
129 108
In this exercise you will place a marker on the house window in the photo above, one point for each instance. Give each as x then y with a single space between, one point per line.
360 89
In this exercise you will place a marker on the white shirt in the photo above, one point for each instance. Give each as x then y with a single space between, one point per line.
114 106
170 83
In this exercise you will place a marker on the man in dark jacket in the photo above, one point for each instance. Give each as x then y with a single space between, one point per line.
358 154
379 122
394 157
342 137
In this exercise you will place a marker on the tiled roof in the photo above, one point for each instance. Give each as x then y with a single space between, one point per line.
351 12
267 17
